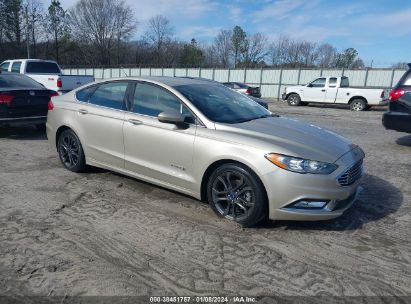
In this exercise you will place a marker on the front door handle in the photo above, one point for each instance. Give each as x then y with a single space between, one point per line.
82 111
323 90
135 121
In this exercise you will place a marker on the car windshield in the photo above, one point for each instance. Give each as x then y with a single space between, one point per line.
18 81
220 104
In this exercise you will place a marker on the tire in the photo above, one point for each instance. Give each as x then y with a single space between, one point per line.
236 193
71 152
293 100
358 105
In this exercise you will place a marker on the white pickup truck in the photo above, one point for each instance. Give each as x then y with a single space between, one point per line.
46 72
333 90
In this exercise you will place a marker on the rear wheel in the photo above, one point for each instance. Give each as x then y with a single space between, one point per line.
358 105
236 193
71 152
293 100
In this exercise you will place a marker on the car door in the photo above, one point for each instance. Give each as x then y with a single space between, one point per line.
315 91
331 90
160 151
100 118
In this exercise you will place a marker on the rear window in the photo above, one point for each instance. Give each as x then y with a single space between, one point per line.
18 81
241 85
344 82
40 67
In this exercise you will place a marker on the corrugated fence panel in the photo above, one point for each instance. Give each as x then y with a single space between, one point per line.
309 75
237 75
290 77
116 73
271 76
145 72
98 73
156 72
207 73
169 72
193 72
181 72
397 75
269 90
253 76
356 77
328 73
221 75
380 78
135 72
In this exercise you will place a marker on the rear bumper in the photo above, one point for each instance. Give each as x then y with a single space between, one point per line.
23 120
398 121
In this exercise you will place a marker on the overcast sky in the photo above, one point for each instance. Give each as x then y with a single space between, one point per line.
380 30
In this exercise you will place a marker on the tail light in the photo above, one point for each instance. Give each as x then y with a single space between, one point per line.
50 105
248 91
59 83
6 98
396 94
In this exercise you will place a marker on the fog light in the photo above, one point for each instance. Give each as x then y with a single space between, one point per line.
310 204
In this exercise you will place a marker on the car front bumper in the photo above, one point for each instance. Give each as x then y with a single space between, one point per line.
285 188
398 121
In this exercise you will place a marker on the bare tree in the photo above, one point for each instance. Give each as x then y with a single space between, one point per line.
326 54
400 65
222 47
159 34
255 50
101 22
33 18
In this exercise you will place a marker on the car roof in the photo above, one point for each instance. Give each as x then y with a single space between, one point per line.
173 81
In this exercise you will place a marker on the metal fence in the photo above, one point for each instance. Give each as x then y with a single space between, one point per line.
271 81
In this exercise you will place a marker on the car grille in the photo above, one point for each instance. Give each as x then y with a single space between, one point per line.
353 174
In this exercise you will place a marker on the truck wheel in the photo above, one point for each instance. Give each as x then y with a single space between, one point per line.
293 100
358 105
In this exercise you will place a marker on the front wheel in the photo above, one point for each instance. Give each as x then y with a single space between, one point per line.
71 152
236 193
358 105
293 100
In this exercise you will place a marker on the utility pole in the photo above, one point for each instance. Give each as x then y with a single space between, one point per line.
26 15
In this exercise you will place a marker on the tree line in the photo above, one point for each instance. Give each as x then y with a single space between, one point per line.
101 33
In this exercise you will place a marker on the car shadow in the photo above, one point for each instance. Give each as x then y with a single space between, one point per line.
379 199
23 132
404 141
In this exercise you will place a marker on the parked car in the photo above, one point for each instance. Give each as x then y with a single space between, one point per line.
23 100
260 101
46 72
398 116
207 141
333 90
244 88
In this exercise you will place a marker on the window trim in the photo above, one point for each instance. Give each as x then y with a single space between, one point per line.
198 121
325 82
8 65
16 62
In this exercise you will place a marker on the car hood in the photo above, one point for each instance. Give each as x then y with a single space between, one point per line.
289 136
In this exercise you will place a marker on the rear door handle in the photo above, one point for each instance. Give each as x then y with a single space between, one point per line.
323 90
82 111
135 121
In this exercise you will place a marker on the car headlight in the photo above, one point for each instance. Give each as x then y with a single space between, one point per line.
300 165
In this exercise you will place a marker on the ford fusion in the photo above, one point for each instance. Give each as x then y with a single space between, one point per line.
210 142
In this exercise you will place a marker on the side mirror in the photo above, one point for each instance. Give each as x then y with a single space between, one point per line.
309 85
172 117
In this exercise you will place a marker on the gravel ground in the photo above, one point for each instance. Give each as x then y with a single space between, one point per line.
102 233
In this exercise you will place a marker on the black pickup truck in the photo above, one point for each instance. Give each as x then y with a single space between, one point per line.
398 116
23 100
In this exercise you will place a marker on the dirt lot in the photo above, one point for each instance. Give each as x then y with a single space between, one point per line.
101 233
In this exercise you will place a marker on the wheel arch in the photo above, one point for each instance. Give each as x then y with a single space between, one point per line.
291 93
60 130
212 167
357 97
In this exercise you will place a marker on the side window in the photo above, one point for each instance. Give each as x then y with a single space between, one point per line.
110 95
5 66
332 82
84 94
151 100
344 82
318 83
15 67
